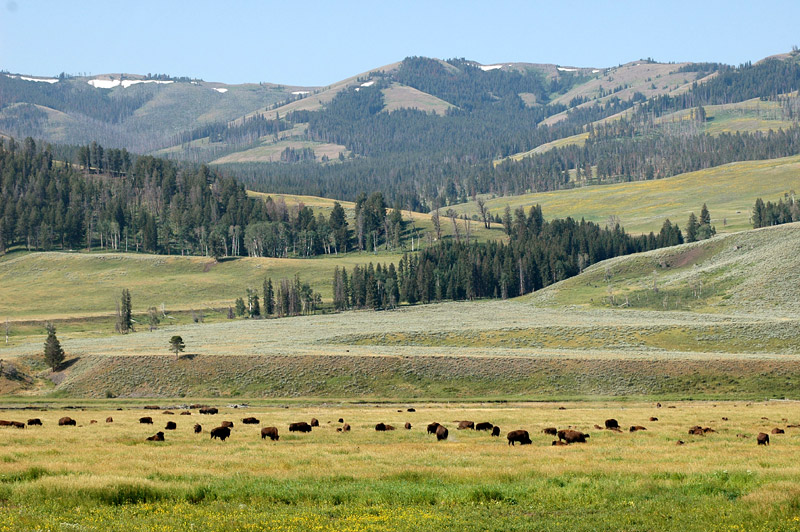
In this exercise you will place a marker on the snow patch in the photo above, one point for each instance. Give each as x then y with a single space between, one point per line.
562 69
41 80
595 71
111 83
221 91
300 93
368 83
486 68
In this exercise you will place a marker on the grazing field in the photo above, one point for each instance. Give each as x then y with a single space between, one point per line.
729 190
105 476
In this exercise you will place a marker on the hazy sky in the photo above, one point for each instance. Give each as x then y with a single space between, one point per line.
319 42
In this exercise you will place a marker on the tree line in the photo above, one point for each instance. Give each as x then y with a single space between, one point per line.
784 211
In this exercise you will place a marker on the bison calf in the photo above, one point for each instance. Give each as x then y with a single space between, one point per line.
635 428
272 432
220 432
518 436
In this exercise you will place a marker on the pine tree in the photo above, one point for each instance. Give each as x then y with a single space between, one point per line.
53 353
269 298
176 345
705 216
240 307
691 228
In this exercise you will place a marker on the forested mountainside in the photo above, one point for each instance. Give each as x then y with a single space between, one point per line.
428 133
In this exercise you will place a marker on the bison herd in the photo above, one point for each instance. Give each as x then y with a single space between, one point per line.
565 436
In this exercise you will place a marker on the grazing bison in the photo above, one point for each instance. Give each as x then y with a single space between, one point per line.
34 421
518 436
612 423
109 419
550 430
407 425
484 426
635 428
762 439
5 423
441 433
171 425
272 432
656 419
228 424
495 431
300 427
159 436
346 427
776 430
572 436
314 422
220 432
198 428
146 420
18 424
65 421
209 410
432 428
250 421
462 425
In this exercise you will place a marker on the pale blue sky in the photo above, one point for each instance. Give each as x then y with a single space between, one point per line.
320 42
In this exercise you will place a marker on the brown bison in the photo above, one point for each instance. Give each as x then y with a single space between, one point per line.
572 436
432 428
559 443
762 438
228 424
484 426
679 442
382 427
168 413
66 421
272 432
186 413
314 422
776 430
93 422
635 428
346 427
209 410
198 428
598 427
407 425
462 425
518 436
250 421
302 426
18 424
159 436
109 419
152 407
656 419
220 432
171 425
4 423
697 430
550 430
495 431
146 420
34 421
612 423
441 433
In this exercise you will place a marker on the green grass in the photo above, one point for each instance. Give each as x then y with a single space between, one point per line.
729 190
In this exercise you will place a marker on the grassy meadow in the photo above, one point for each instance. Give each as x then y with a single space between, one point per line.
105 476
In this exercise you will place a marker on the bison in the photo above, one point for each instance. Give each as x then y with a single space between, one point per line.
558 443
407 425
572 436
171 425
272 432
220 432
382 427
635 428
776 430
5 423
441 433
209 410
346 427
697 430
612 423
656 419
518 436
93 422
250 421
341 420
66 421
168 413
159 436
484 426
550 430
109 419
314 422
495 431
152 407
198 428
412 409
302 426
34 421
186 413
762 438
146 420
462 425
432 428
228 424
